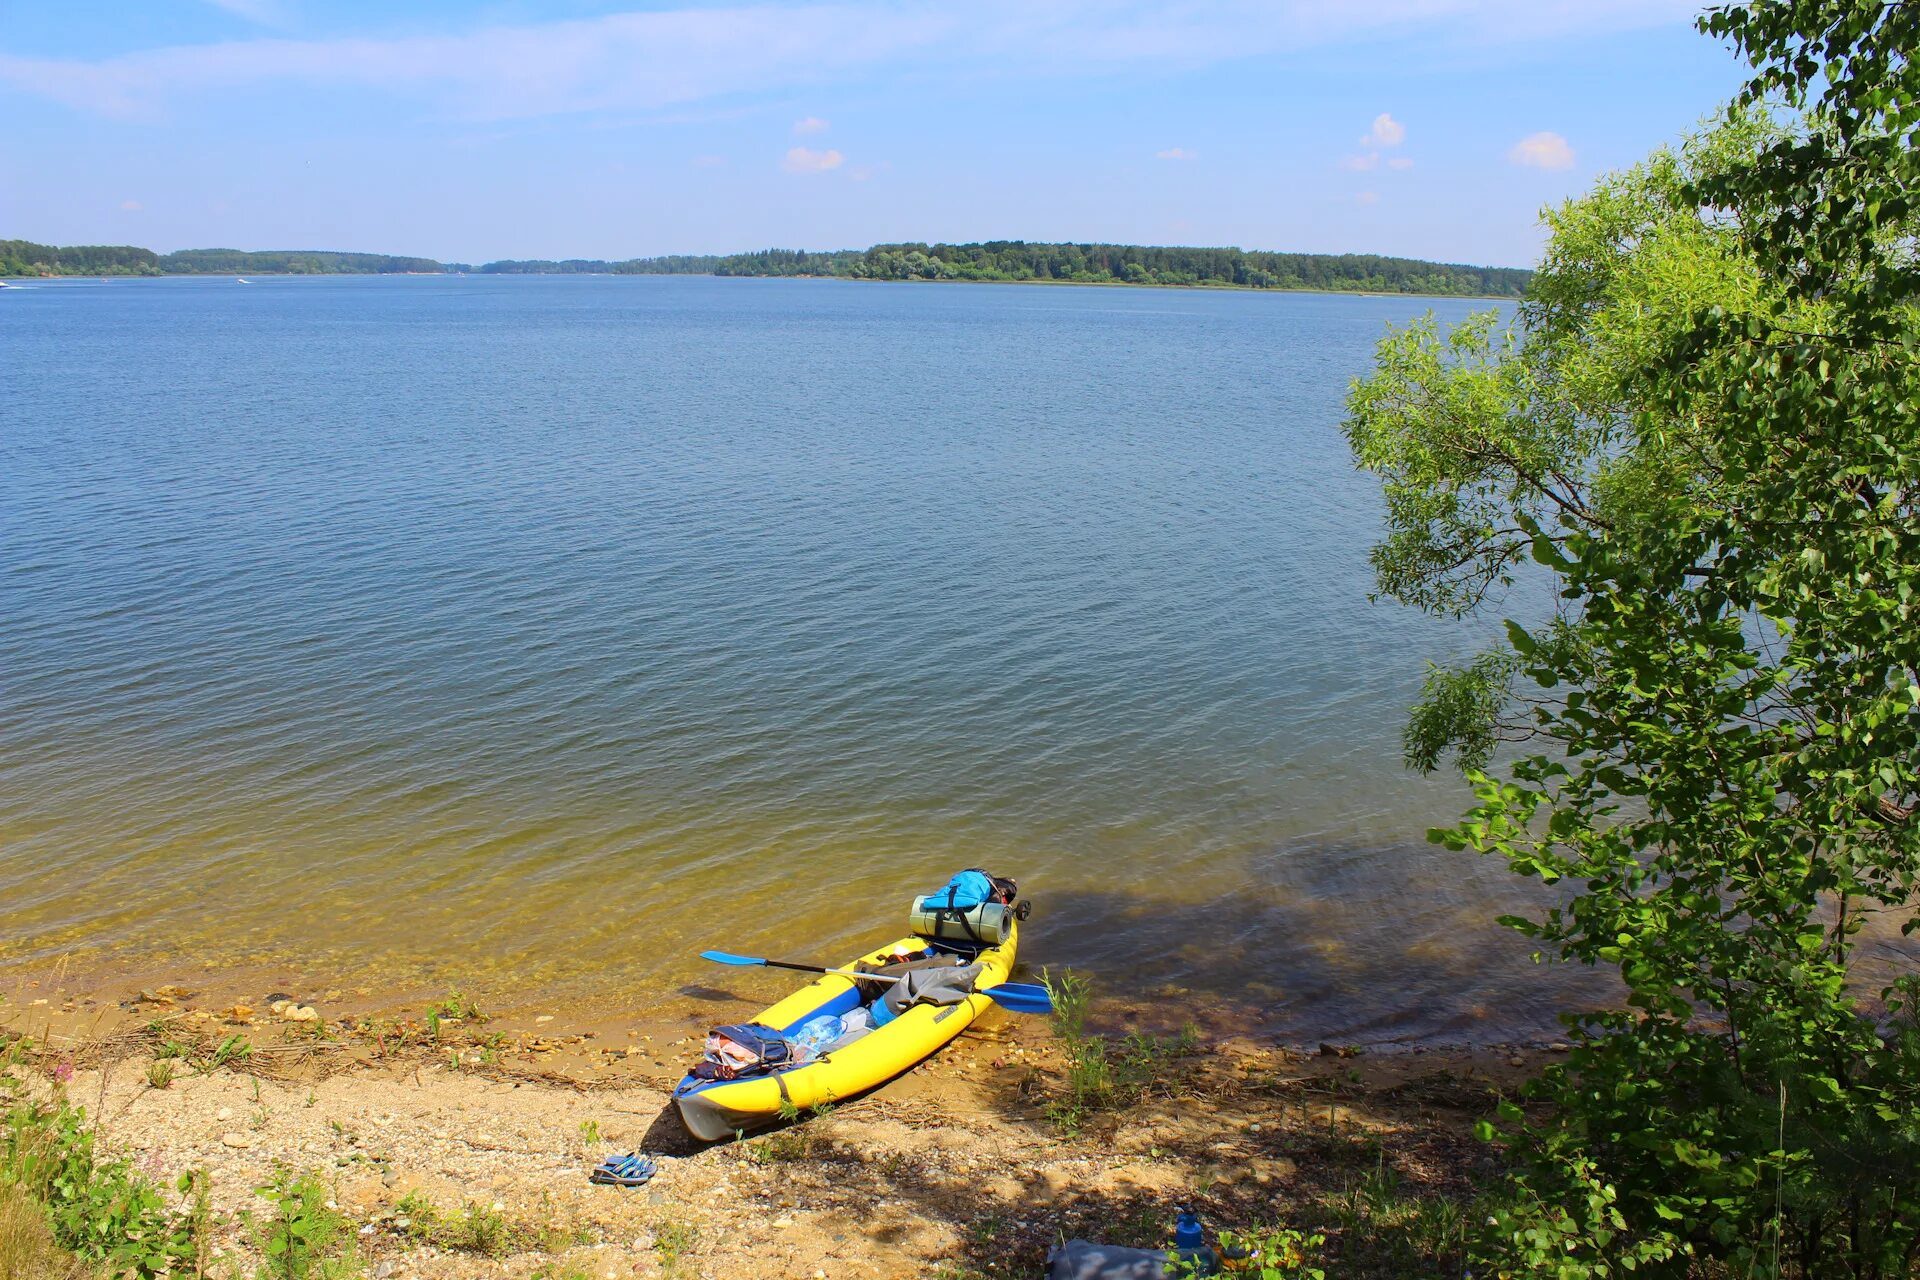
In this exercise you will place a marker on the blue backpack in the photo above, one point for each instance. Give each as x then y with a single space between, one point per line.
965 891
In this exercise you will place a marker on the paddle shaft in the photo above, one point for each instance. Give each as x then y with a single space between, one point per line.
814 968
1019 997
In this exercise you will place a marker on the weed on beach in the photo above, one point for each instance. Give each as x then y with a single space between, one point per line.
27 1245
95 1209
229 1052
483 1230
1105 1073
302 1237
672 1242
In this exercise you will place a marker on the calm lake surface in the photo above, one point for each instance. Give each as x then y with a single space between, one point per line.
531 634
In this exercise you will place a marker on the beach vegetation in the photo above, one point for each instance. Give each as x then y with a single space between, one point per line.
99 1209
1105 1073
301 1236
1700 439
27 1246
231 1051
1267 1253
796 1141
454 1006
673 1243
1384 1229
476 1228
560 1271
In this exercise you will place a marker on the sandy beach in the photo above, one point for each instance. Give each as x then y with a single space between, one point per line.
458 1146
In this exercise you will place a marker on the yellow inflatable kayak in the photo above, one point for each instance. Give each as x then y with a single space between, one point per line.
716 1109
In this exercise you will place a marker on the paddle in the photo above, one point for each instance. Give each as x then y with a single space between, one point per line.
1017 997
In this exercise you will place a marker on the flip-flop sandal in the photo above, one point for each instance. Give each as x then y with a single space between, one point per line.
630 1170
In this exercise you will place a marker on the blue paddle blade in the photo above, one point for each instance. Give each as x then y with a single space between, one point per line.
722 957
1020 998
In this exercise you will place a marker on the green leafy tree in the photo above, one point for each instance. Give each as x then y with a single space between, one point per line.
1704 428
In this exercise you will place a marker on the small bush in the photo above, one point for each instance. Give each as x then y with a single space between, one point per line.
301 1238
99 1209
477 1228
455 1007
230 1051
416 1215
1271 1253
672 1242
1103 1073
27 1247
1389 1232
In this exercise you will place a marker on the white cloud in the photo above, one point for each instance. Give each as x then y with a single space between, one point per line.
1368 197
1399 162
1175 153
652 59
812 124
1361 163
807 160
131 206
625 61
1544 150
1386 132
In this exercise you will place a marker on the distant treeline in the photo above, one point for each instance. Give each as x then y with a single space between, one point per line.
25 258
993 260
1079 263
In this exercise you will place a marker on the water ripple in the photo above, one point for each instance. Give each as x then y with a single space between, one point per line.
533 634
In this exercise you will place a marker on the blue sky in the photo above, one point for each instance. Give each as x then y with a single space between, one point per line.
551 128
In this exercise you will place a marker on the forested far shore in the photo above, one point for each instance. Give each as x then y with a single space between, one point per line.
1001 260
1014 260
25 258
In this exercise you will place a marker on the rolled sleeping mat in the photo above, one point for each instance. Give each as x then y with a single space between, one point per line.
989 923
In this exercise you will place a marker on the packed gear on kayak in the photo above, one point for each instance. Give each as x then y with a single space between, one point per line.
973 907
848 1032
898 964
743 1049
935 985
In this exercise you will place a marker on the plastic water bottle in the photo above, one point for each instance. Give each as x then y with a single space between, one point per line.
1189 1243
814 1037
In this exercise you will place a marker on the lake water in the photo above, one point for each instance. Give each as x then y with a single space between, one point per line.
531 634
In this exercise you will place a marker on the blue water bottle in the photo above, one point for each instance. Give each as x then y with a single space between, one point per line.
1189 1243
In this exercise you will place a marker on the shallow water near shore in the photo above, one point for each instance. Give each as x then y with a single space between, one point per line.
532 634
